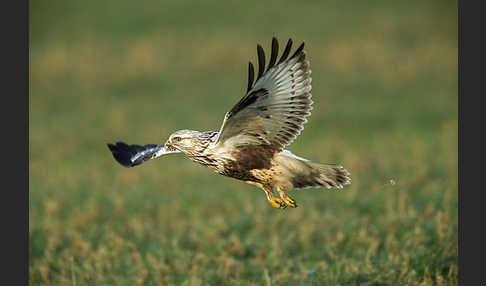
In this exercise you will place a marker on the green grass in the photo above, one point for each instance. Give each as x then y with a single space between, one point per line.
385 92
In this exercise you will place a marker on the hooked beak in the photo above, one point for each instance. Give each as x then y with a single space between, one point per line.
170 147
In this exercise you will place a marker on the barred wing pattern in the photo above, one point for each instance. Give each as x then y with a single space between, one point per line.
274 110
133 155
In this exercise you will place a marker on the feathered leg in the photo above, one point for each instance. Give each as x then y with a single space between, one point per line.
275 202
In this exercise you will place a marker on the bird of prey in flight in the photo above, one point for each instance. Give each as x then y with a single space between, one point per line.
250 145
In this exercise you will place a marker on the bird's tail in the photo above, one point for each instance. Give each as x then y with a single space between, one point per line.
303 173
328 175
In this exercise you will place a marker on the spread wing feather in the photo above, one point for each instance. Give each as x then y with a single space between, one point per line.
274 110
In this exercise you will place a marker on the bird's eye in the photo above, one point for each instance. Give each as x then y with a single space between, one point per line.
176 139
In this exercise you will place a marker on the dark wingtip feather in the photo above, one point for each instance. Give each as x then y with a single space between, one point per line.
110 146
251 75
132 155
286 52
121 153
274 54
299 49
261 61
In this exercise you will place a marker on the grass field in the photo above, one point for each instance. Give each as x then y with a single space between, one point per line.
385 93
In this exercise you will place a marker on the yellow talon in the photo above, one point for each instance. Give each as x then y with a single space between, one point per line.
278 203
291 202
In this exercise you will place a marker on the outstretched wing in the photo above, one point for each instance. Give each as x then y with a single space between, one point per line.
274 109
133 155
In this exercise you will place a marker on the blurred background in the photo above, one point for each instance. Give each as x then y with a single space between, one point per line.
385 93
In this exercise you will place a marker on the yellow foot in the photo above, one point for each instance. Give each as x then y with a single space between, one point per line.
278 203
291 202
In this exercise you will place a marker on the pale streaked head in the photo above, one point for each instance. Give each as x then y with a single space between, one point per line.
184 140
